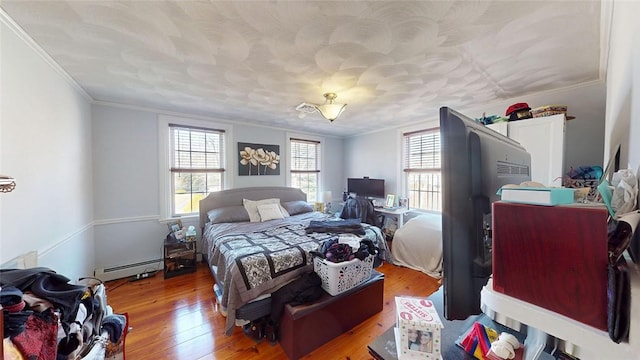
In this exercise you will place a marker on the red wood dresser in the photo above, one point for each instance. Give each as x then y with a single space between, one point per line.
554 257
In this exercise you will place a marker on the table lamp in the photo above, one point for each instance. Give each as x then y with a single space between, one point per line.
327 198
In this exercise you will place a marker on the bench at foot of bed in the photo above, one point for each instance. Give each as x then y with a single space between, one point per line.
306 327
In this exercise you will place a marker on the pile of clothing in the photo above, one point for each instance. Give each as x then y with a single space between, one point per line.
45 317
334 251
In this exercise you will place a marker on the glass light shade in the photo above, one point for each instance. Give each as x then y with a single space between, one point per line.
329 109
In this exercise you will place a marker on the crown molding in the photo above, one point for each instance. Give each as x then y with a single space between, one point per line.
19 31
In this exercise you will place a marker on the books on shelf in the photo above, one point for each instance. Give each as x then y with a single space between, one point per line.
538 195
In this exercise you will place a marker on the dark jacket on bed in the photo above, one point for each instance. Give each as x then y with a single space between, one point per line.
351 226
360 208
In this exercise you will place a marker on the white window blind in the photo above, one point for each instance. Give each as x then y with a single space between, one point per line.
421 164
305 168
197 165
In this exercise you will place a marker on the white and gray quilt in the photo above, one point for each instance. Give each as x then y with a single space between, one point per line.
252 259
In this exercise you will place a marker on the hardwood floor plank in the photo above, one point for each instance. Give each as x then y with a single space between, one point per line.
178 318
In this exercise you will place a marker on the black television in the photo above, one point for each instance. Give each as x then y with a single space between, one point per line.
366 187
476 162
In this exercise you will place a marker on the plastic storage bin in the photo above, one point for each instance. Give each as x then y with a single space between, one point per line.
340 277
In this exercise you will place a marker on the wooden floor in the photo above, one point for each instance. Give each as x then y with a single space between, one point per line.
178 318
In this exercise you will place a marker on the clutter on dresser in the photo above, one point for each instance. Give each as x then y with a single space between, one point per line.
180 233
585 180
46 317
180 257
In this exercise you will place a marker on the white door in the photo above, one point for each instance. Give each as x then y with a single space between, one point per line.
544 140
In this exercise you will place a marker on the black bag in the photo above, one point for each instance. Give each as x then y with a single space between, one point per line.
619 301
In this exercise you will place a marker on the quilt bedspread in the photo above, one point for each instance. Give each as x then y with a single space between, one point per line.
252 259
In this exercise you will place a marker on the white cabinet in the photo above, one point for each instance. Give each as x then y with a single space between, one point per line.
544 139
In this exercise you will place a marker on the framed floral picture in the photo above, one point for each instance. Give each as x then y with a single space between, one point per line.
258 159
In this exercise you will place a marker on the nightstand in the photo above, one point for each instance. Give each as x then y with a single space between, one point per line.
179 258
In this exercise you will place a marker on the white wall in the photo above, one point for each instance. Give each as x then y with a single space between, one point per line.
623 118
584 134
623 85
128 225
376 153
45 143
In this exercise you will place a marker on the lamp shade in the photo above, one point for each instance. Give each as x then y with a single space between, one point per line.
329 109
327 197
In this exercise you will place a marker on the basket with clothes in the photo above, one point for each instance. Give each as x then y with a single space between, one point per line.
341 267
46 317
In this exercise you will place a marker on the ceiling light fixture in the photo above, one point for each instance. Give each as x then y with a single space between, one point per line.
7 184
329 109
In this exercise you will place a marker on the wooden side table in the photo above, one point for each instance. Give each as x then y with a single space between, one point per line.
179 258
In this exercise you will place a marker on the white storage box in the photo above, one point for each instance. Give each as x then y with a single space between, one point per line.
340 277
418 329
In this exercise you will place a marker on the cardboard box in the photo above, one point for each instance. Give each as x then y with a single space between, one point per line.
417 321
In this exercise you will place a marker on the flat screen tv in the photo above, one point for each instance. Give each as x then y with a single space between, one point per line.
366 187
476 162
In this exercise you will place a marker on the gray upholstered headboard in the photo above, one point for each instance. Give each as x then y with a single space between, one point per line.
233 197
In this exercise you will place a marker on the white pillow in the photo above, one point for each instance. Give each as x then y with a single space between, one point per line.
252 208
270 212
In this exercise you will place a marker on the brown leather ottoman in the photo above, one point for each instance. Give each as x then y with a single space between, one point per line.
306 327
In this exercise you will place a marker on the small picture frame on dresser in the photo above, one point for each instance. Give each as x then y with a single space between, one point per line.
175 225
403 202
391 200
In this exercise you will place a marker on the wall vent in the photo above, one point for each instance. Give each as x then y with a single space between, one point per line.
306 108
121 271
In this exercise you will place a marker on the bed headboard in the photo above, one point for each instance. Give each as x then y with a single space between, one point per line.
233 197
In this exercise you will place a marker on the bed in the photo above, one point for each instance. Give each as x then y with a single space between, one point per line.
251 259
418 245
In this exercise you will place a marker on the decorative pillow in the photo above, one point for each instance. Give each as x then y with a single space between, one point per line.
297 207
228 214
252 207
270 212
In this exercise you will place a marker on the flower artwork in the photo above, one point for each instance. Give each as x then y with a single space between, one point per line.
257 159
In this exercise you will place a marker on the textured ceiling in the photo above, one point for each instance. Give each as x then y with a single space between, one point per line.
393 62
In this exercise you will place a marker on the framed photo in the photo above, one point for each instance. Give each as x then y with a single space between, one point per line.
175 225
258 159
403 202
318 207
391 200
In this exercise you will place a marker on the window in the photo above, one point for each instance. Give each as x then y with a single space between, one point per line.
197 166
421 157
305 168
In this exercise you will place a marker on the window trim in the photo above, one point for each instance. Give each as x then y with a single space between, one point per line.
303 137
164 145
401 174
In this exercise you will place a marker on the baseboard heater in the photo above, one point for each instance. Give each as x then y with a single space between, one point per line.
123 271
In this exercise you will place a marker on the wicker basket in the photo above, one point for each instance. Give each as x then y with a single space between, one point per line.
340 277
548 110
